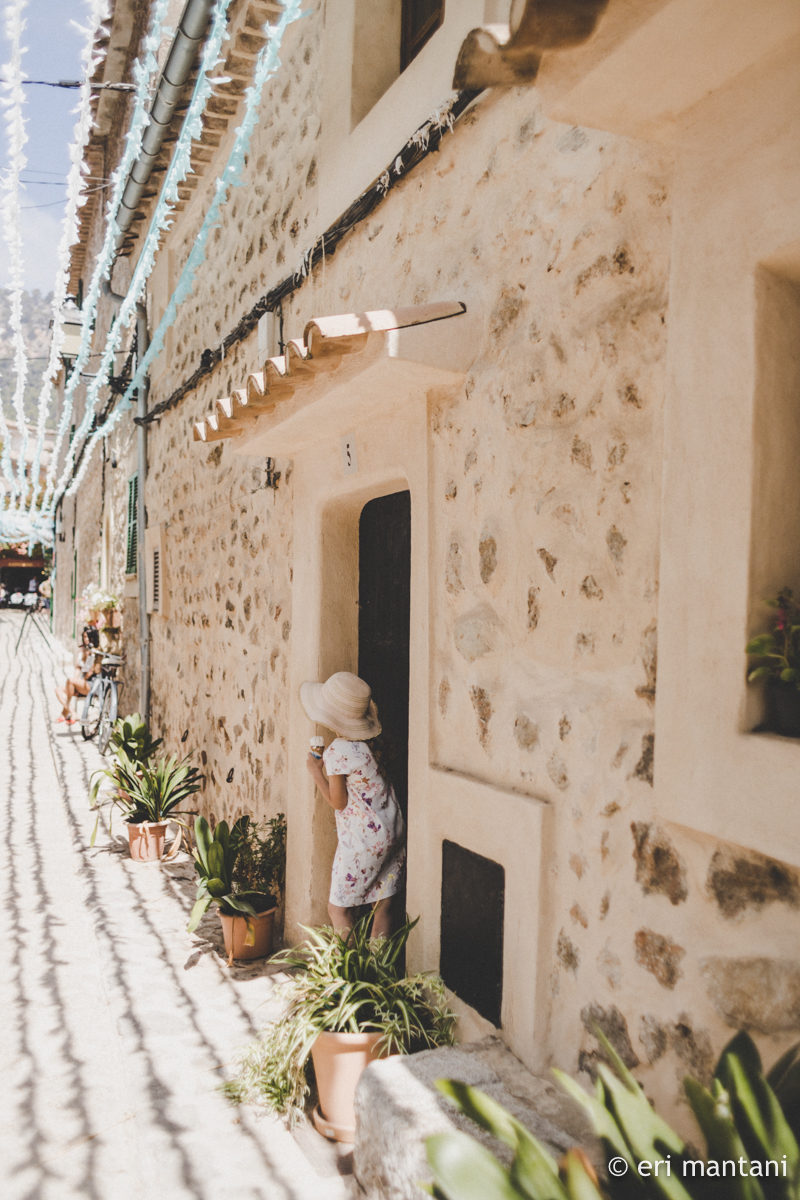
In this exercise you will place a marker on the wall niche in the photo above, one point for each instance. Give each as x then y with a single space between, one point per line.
775 526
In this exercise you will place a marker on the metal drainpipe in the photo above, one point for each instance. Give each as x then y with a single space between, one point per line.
142 342
141 517
190 35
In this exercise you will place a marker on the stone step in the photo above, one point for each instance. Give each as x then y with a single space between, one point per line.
398 1107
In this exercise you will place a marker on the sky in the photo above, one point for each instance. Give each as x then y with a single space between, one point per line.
54 48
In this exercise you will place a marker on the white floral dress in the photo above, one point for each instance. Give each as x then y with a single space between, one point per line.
370 858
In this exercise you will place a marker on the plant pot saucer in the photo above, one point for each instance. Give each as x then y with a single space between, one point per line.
332 1131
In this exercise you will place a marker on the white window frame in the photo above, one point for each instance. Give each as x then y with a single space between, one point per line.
350 161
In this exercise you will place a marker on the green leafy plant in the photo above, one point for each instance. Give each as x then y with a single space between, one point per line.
261 862
130 736
744 1116
133 749
781 647
148 791
344 984
215 862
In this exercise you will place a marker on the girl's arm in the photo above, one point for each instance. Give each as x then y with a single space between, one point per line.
333 788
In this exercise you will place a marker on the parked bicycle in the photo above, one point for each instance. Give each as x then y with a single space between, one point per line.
101 706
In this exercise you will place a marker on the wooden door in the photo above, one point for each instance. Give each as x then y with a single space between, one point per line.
384 598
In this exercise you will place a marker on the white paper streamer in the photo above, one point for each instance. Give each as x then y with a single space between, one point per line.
99 11
179 168
12 100
16 525
143 73
266 65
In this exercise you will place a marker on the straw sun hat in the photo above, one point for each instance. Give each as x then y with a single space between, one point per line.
344 704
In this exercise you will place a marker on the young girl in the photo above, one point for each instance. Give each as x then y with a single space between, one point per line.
86 665
370 858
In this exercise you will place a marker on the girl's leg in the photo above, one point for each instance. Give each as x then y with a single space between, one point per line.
341 918
63 700
382 918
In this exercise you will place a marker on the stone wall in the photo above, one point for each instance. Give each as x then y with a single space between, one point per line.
547 476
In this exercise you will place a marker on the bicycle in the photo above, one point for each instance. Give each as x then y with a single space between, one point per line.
101 706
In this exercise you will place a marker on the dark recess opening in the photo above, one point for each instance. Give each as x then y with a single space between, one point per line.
473 905
420 20
384 600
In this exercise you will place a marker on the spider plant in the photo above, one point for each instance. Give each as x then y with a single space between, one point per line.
215 862
344 984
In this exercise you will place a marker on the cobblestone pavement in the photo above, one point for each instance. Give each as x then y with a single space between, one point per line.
117 1025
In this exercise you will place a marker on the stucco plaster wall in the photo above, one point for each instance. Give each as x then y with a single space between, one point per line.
545 523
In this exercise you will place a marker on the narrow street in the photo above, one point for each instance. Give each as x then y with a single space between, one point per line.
118 1025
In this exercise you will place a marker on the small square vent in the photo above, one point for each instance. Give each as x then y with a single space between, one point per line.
473 904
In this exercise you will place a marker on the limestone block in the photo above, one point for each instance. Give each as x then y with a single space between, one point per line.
398 1107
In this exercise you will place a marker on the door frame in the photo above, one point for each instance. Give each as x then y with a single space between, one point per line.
328 506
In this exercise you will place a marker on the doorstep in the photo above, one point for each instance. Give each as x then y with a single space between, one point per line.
397 1108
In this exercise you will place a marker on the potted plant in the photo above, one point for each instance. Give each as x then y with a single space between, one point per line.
781 670
99 605
243 874
148 793
347 1005
131 742
131 737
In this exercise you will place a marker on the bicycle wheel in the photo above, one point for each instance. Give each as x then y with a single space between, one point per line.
92 708
108 715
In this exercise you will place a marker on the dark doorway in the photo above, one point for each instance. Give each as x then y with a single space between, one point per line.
384 599
473 904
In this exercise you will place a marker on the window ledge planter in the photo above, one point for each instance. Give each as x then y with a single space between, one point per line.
783 708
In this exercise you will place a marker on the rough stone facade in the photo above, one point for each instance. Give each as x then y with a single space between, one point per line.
546 518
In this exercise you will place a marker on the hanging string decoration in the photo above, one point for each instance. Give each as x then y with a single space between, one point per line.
144 73
179 168
267 64
12 100
99 11
16 525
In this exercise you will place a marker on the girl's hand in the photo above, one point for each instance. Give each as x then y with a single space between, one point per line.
314 766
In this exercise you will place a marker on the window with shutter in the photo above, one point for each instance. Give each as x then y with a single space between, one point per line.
421 19
156 580
132 554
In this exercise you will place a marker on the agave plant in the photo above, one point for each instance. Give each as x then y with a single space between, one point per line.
745 1116
215 863
344 984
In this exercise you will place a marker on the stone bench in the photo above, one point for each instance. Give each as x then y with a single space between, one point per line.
398 1107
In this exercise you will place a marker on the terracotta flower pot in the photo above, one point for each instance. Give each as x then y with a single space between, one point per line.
147 840
234 931
339 1059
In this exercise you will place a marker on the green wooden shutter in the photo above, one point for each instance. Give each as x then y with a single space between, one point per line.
132 554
